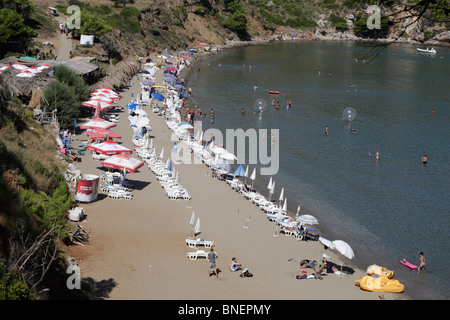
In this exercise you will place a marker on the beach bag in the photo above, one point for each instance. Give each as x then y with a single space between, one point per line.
246 274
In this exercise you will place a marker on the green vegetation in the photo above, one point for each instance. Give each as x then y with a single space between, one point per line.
236 19
65 94
360 27
99 20
338 22
34 200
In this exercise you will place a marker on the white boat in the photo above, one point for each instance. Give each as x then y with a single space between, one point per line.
432 50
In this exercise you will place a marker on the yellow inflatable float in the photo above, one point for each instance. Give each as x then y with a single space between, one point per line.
381 271
379 283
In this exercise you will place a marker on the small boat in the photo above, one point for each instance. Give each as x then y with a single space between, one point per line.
380 271
432 50
377 283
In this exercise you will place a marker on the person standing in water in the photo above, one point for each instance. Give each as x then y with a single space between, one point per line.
424 159
422 262
326 130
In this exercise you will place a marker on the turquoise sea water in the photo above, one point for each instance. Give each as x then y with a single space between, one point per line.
386 210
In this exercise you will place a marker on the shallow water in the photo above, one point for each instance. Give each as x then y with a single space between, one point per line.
386 210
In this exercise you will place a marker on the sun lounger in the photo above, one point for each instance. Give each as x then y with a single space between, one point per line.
196 254
199 242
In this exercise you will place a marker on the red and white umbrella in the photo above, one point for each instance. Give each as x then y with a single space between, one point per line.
97 104
25 74
123 162
111 134
109 148
97 123
5 67
101 98
104 134
19 66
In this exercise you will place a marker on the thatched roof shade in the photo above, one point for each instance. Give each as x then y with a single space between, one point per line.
19 86
117 75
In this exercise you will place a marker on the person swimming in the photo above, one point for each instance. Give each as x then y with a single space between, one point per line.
424 159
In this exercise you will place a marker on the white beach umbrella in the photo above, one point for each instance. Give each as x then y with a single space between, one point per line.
142 122
253 176
307 219
269 186
343 248
326 242
298 210
285 206
281 198
192 219
228 156
161 155
192 223
197 227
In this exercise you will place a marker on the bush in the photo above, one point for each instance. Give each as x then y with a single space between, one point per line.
338 22
65 95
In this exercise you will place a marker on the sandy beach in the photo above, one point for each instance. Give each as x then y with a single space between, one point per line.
138 249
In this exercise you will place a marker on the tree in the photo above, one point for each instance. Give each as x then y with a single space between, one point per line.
13 28
65 95
236 19
24 7
91 24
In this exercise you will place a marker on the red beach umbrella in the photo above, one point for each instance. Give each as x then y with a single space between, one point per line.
123 162
97 123
103 134
109 148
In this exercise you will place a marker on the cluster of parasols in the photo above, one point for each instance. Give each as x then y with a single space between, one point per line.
25 71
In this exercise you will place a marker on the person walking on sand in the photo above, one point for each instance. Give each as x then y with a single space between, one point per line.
422 262
212 256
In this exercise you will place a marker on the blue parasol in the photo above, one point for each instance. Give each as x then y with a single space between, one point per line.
170 165
158 96
147 82
240 171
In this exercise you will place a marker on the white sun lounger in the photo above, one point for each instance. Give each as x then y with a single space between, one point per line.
199 242
196 254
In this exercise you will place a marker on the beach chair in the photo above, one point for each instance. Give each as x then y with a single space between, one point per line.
197 254
194 243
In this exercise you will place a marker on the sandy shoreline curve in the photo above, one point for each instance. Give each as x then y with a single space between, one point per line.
138 249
